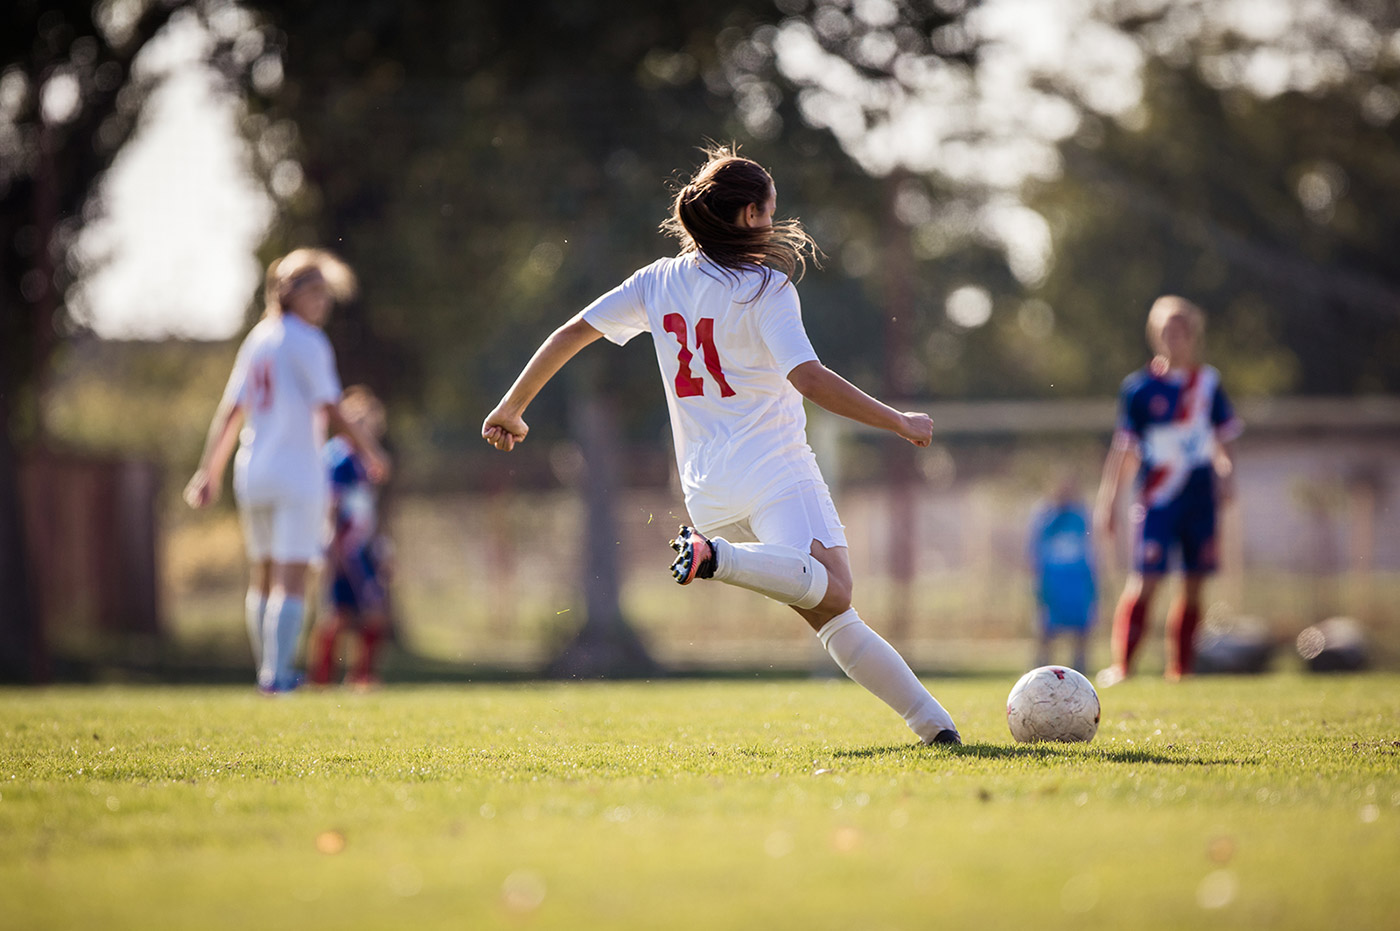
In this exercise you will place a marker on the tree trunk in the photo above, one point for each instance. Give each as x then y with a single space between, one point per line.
606 646
21 640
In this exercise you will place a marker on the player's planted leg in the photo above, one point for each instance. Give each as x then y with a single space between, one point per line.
1129 624
254 610
281 631
323 649
870 661
1182 621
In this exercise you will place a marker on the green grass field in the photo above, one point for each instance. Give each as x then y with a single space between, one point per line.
1270 802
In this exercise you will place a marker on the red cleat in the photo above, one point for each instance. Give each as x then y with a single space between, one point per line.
696 559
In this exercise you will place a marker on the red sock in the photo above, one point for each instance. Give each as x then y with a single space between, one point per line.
323 653
1128 623
1181 638
371 635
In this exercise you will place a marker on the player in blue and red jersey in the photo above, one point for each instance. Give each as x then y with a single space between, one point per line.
356 561
1175 426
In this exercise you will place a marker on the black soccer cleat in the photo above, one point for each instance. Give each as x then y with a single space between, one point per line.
946 736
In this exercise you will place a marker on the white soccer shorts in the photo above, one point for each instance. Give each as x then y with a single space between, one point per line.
794 517
285 532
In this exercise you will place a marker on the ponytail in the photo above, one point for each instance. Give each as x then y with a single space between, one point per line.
704 214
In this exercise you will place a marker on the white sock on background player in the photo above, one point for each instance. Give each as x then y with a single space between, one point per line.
281 631
870 661
254 609
783 573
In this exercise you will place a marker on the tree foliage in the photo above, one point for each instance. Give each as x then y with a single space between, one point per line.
1241 154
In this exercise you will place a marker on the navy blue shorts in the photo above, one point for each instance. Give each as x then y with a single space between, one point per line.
356 586
1186 524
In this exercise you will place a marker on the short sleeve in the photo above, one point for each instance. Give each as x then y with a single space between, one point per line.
238 378
621 313
780 326
1129 427
316 370
1222 415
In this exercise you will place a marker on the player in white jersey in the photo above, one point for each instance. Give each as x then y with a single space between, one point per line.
726 323
279 400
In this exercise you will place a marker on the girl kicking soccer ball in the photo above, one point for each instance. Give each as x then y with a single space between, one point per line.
736 363
281 395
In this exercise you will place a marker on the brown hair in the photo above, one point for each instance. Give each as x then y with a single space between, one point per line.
704 218
285 273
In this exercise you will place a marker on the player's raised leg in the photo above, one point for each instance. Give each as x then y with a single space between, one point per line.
783 573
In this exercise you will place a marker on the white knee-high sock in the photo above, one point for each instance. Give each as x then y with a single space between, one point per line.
869 660
254 608
783 573
281 631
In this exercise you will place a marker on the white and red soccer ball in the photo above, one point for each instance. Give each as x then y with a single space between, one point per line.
1053 703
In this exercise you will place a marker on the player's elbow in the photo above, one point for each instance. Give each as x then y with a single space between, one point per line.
807 378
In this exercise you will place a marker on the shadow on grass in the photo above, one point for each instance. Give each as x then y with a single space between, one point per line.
1037 751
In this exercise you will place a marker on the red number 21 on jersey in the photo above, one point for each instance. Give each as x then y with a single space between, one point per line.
688 385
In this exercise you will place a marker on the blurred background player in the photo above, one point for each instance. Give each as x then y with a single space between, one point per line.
357 558
1061 560
280 398
736 363
1175 426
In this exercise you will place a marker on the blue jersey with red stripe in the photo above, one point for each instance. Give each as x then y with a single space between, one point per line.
355 581
1174 419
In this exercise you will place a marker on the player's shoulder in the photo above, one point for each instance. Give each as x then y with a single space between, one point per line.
661 268
305 337
264 330
1136 381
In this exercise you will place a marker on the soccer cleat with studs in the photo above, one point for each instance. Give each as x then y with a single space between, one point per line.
946 736
695 559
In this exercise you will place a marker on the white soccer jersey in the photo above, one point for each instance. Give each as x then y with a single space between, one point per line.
284 373
738 424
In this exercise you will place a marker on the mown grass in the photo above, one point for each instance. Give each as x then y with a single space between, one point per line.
1269 802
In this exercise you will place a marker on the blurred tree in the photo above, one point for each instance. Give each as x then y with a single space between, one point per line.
1276 214
1241 154
66 106
69 99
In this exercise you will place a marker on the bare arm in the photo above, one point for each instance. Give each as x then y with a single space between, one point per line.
1224 461
505 426
831 392
1122 461
203 487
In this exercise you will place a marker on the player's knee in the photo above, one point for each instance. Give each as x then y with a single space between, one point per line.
837 599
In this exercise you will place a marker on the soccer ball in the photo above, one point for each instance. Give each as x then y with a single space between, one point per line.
1053 703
